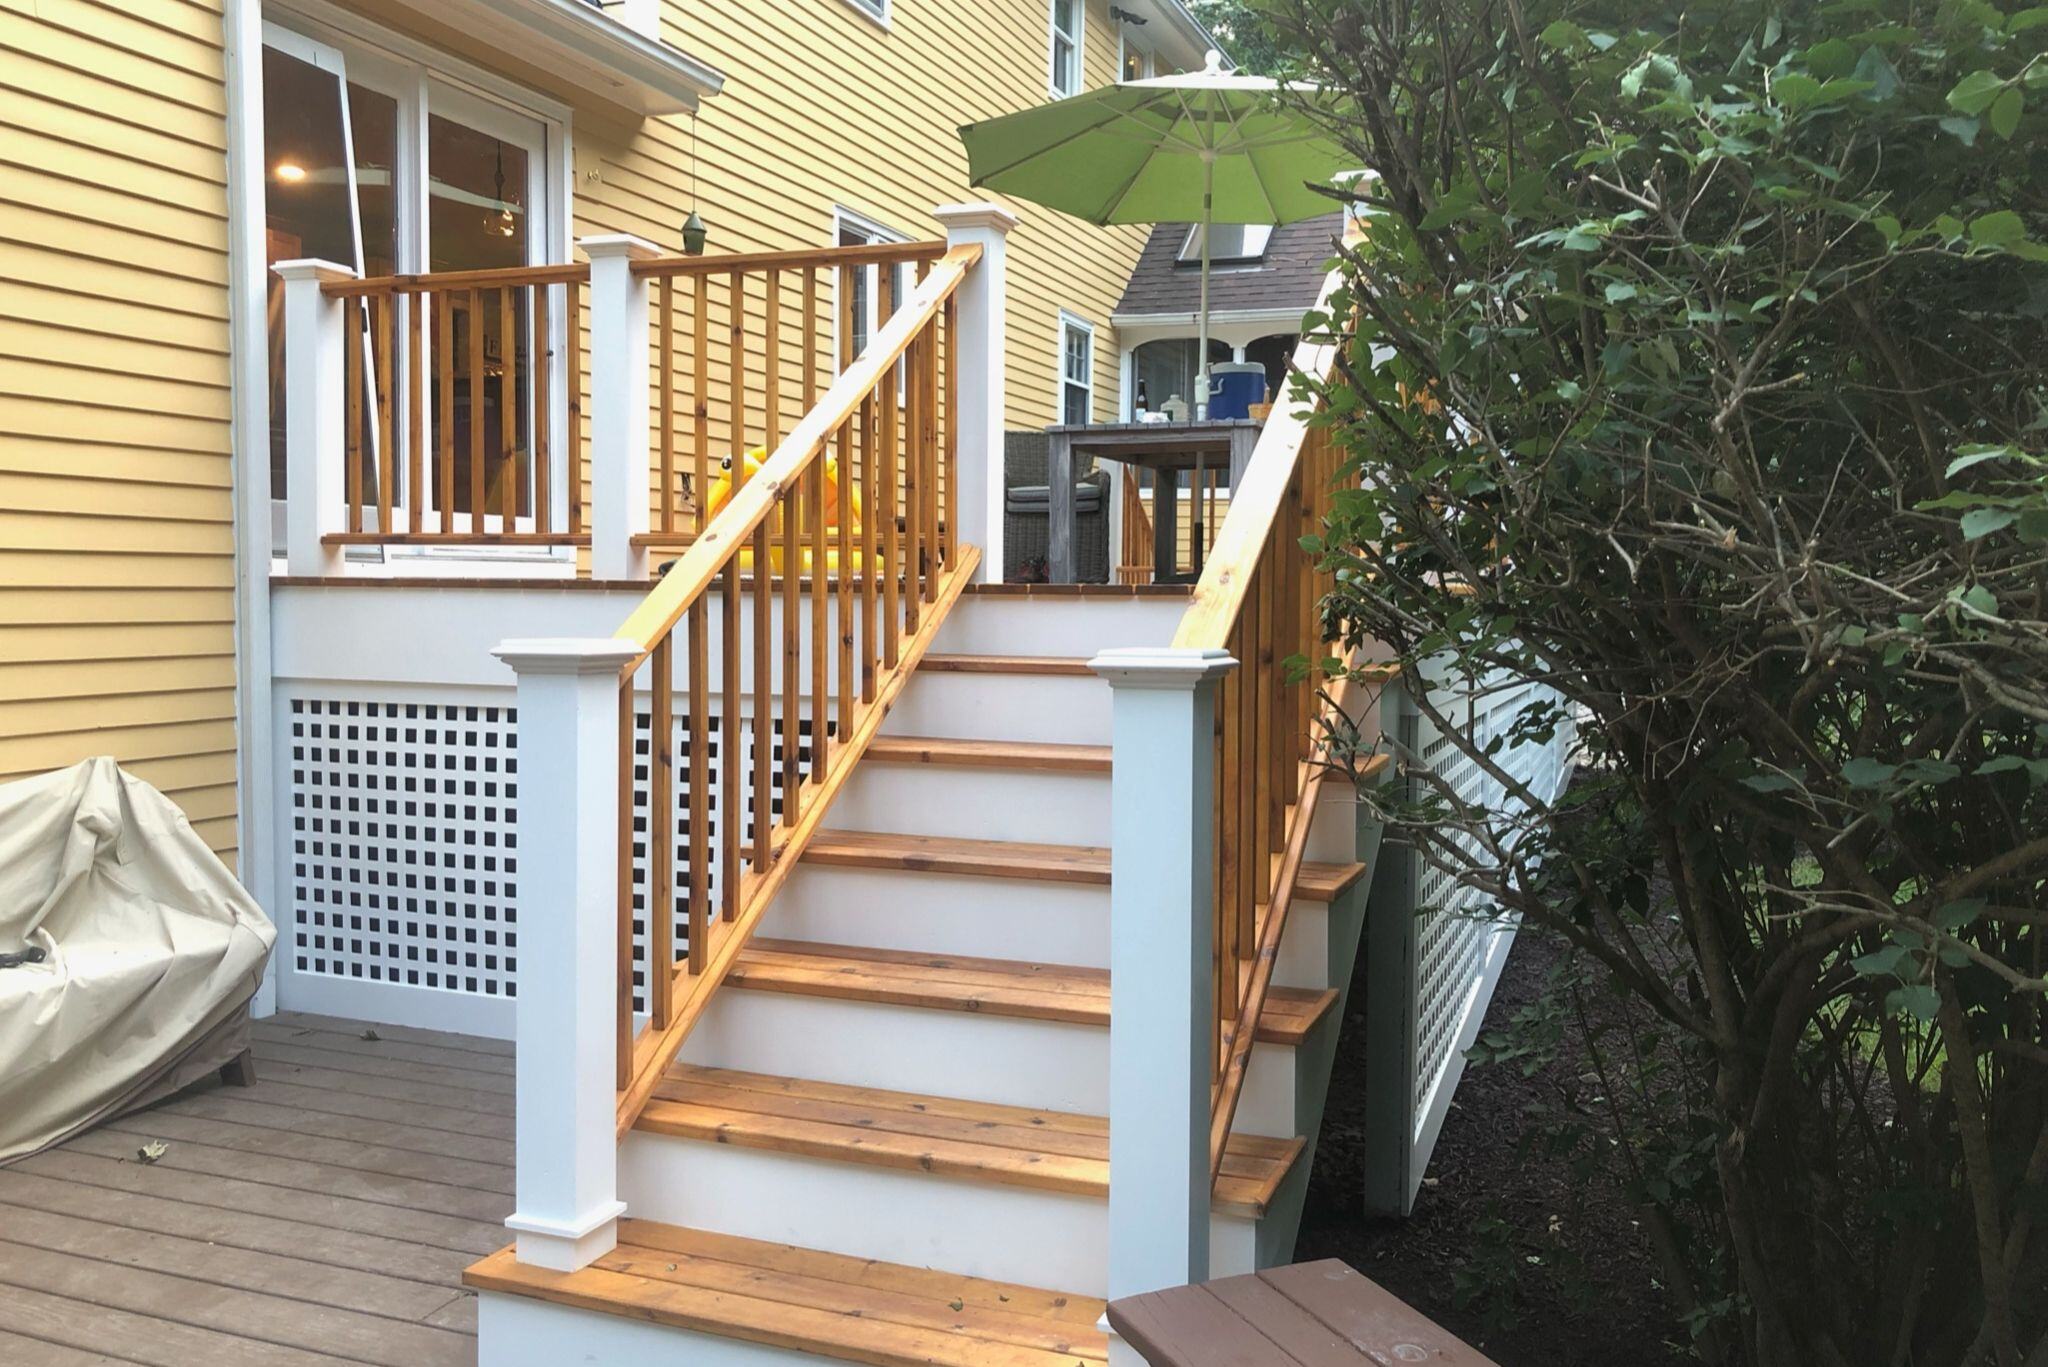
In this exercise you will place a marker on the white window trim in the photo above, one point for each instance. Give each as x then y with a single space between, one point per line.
881 13
875 230
1080 40
1076 323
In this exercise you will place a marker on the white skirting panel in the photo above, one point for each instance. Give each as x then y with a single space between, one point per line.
517 1331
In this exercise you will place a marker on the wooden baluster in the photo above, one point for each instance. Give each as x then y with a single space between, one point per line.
843 580
383 340
508 415
1230 841
951 477
543 413
928 442
476 412
352 377
771 363
572 381
1273 614
889 469
737 361
1287 642
661 838
700 785
700 492
913 484
665 520
1249 861
415 409
732 785
870 566
444 428
791 504
624 1040
815 524
764 702
821 711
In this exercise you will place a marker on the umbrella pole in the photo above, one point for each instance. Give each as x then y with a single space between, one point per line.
1202 345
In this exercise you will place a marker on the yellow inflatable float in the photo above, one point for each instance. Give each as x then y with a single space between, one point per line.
838 502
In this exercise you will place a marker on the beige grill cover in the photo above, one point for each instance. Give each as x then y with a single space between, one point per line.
153 949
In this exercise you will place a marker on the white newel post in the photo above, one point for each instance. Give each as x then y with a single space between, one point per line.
620 395
981 302
1160 942
315 440
566 1160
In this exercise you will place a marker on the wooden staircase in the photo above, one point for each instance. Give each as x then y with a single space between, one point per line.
888 1134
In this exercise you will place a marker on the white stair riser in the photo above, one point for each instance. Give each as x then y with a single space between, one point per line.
1068 708
1031 805
972 1056
1052 624
992 918
521 1331
968 1226
1333 834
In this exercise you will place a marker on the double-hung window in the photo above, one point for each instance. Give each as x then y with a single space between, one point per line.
878 291
1077 369
1065 38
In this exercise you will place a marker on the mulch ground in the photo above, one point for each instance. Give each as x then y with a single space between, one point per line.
1512 1249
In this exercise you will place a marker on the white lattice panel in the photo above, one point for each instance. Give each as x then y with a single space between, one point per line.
403 861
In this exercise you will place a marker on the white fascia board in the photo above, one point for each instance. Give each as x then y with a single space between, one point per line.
590 49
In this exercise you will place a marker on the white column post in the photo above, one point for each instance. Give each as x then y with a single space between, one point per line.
315 441
565 1176
982 303
1161 936
620 399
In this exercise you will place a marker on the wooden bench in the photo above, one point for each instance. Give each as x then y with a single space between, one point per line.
1321 1314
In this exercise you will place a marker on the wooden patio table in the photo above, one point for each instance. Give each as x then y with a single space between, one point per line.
1321 1314
1157 446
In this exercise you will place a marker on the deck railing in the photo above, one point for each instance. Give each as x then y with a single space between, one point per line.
672 775
841 554
1214 788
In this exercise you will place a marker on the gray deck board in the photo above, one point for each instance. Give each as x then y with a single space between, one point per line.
323 1215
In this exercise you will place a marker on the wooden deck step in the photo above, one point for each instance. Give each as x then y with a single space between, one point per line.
1009 1145
854 1309
1045 756
992 987
1006 664
1017 859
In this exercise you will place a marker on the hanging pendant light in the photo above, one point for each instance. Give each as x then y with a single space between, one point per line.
694 231
501 222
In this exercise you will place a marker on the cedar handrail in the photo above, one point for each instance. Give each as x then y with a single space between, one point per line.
1256 598
861 254
910 568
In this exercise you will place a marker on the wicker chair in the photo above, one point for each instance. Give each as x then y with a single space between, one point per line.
1025 530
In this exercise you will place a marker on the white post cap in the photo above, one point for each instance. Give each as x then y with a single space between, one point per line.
567 654
607 245
981 213
1161 666
313 268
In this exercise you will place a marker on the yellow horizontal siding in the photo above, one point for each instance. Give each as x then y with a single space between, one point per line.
116 520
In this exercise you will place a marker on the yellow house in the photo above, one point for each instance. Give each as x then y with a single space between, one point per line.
157 155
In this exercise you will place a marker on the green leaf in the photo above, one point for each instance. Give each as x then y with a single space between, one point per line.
1620 291
1795 91
2027 19
2006 111
1565 36
1834 57
1865 772
1974 93
1891 961
1916 999
1998 228
1977 454
1959 913
1981 600
1964 129
1982 522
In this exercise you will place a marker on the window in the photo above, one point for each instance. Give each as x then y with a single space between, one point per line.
1066 48
1077 370
876 295
1135 63
1164 370
378 163
1228 242
877 10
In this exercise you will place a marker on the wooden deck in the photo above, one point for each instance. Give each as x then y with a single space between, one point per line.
323 1215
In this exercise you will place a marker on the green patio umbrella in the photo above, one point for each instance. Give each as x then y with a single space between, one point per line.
1205 147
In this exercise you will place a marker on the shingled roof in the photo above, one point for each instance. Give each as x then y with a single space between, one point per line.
1290 276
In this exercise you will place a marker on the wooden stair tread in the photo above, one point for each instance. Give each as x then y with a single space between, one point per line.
1072 665
995 987
1017 859
990 754
1010 1145
854 1309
